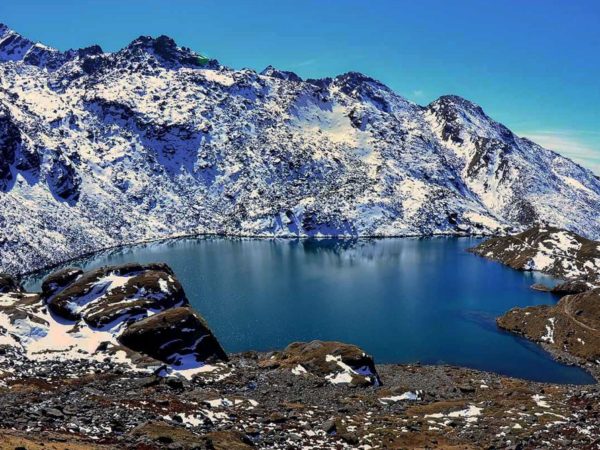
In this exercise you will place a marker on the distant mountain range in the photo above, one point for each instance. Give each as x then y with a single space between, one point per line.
99 149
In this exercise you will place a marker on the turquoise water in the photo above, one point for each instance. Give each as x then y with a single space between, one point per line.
402 300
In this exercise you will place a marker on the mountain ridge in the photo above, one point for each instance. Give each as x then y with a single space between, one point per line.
101 149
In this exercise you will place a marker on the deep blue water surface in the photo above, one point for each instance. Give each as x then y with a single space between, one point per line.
402 300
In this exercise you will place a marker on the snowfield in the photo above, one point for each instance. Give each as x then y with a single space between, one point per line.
101 149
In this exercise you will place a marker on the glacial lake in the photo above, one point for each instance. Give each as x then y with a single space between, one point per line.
403 300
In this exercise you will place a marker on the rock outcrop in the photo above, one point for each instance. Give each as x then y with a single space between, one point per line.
576 286
571 326
132 314
560 253
59 280
107 294
172 335
335 362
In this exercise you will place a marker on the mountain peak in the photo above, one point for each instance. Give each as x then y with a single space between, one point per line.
456 101
89 51
452 108
271 71
148 42
13 46
166 50
354 79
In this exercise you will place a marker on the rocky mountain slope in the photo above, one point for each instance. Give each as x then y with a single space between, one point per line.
115 359
99 149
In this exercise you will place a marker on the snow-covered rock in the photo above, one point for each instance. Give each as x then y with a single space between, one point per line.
557 252
99 149
136 315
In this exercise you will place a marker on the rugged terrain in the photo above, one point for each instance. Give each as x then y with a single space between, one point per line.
114 358
557 252
99 149
259 404
571 328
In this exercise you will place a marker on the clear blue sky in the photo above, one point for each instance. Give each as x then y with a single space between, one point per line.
531 64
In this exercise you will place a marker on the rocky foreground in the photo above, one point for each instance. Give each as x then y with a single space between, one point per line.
256 401
116 358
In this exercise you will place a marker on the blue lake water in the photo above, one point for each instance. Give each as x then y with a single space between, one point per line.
401 300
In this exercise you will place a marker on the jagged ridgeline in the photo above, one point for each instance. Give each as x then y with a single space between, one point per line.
99 149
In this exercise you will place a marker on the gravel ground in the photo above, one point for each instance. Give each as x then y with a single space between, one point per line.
252 401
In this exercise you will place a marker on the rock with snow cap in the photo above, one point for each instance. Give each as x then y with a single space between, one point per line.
336 362
117 292
173 335
9 284
59 280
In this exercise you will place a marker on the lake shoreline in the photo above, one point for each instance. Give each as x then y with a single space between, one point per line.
155 250
177 236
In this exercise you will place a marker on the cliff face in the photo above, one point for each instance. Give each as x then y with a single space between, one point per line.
99 149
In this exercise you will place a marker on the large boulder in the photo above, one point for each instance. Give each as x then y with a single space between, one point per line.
337 362
109 293
9 284
59 280
172 335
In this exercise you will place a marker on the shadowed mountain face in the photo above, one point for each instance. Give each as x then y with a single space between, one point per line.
100 149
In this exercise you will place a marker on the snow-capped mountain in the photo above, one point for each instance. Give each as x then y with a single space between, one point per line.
99 149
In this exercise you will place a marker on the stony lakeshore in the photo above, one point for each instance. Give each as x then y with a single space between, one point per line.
117 358
570 330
